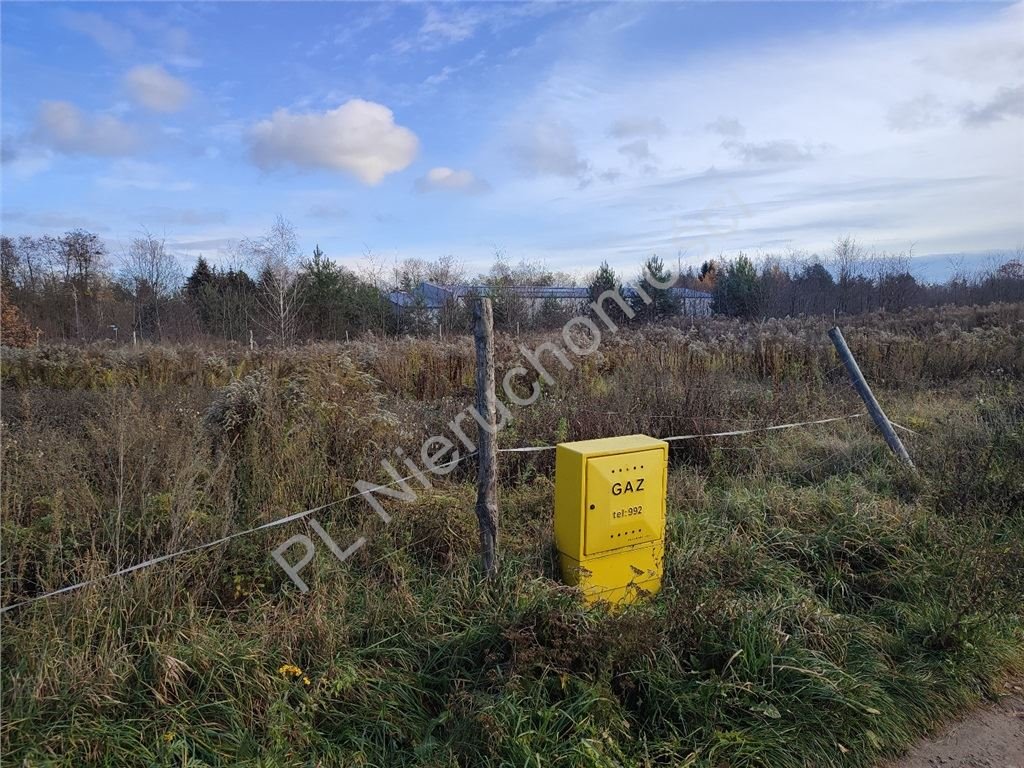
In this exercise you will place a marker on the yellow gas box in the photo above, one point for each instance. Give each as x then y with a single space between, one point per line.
610 515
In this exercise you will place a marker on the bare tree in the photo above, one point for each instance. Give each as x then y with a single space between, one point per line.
151 275
446 270
374 270
80 257
408 273
275 257
847 258
890 272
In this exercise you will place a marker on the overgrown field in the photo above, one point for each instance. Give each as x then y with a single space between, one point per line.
822 605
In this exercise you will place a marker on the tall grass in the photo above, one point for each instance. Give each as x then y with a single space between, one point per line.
821 605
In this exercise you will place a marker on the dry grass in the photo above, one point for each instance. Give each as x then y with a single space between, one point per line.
820 603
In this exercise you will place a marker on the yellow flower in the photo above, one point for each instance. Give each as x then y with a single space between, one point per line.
169 737
305 680
289 669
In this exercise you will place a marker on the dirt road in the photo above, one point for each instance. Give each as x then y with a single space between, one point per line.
991 736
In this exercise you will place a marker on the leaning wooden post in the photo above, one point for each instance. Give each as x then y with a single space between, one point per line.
881 420
487 477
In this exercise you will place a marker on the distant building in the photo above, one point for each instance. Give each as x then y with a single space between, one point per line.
693 302
433 297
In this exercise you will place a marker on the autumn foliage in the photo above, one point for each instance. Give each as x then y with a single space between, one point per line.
14 331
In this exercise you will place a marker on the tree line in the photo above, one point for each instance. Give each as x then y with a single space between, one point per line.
849 280
71 288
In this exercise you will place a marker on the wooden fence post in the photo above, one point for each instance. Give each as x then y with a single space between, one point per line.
487 477
861 385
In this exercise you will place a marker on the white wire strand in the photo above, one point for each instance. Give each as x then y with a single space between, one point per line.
199 547
697 436
763 429
905 429
305 513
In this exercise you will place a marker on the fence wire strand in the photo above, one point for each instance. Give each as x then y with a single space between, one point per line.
306 513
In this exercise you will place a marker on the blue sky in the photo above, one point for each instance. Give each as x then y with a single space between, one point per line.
564 133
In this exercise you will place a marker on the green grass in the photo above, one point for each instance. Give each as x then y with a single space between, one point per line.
821 604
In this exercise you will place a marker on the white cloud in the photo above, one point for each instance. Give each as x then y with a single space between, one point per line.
636 150
1006 103
549 149
148 177
448 24
166 40
328 211
187 217
726 126
440 77
24 160
140 30
448 179
111 37
637 127
442 28
774 126
62 126
359 137
219 245
777 151
916 114
449 71
155 89
456 25
50 220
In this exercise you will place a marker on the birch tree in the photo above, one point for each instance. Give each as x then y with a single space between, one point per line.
275 258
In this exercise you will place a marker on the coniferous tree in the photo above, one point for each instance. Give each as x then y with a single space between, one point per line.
202 295
333 300
663 301
736 289
198 282
605 280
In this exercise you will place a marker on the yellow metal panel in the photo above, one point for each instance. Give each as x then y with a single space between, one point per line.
618 577
625 500
610 515
569 482
603 446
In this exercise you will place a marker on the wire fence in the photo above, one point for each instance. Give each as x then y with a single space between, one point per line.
307 512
